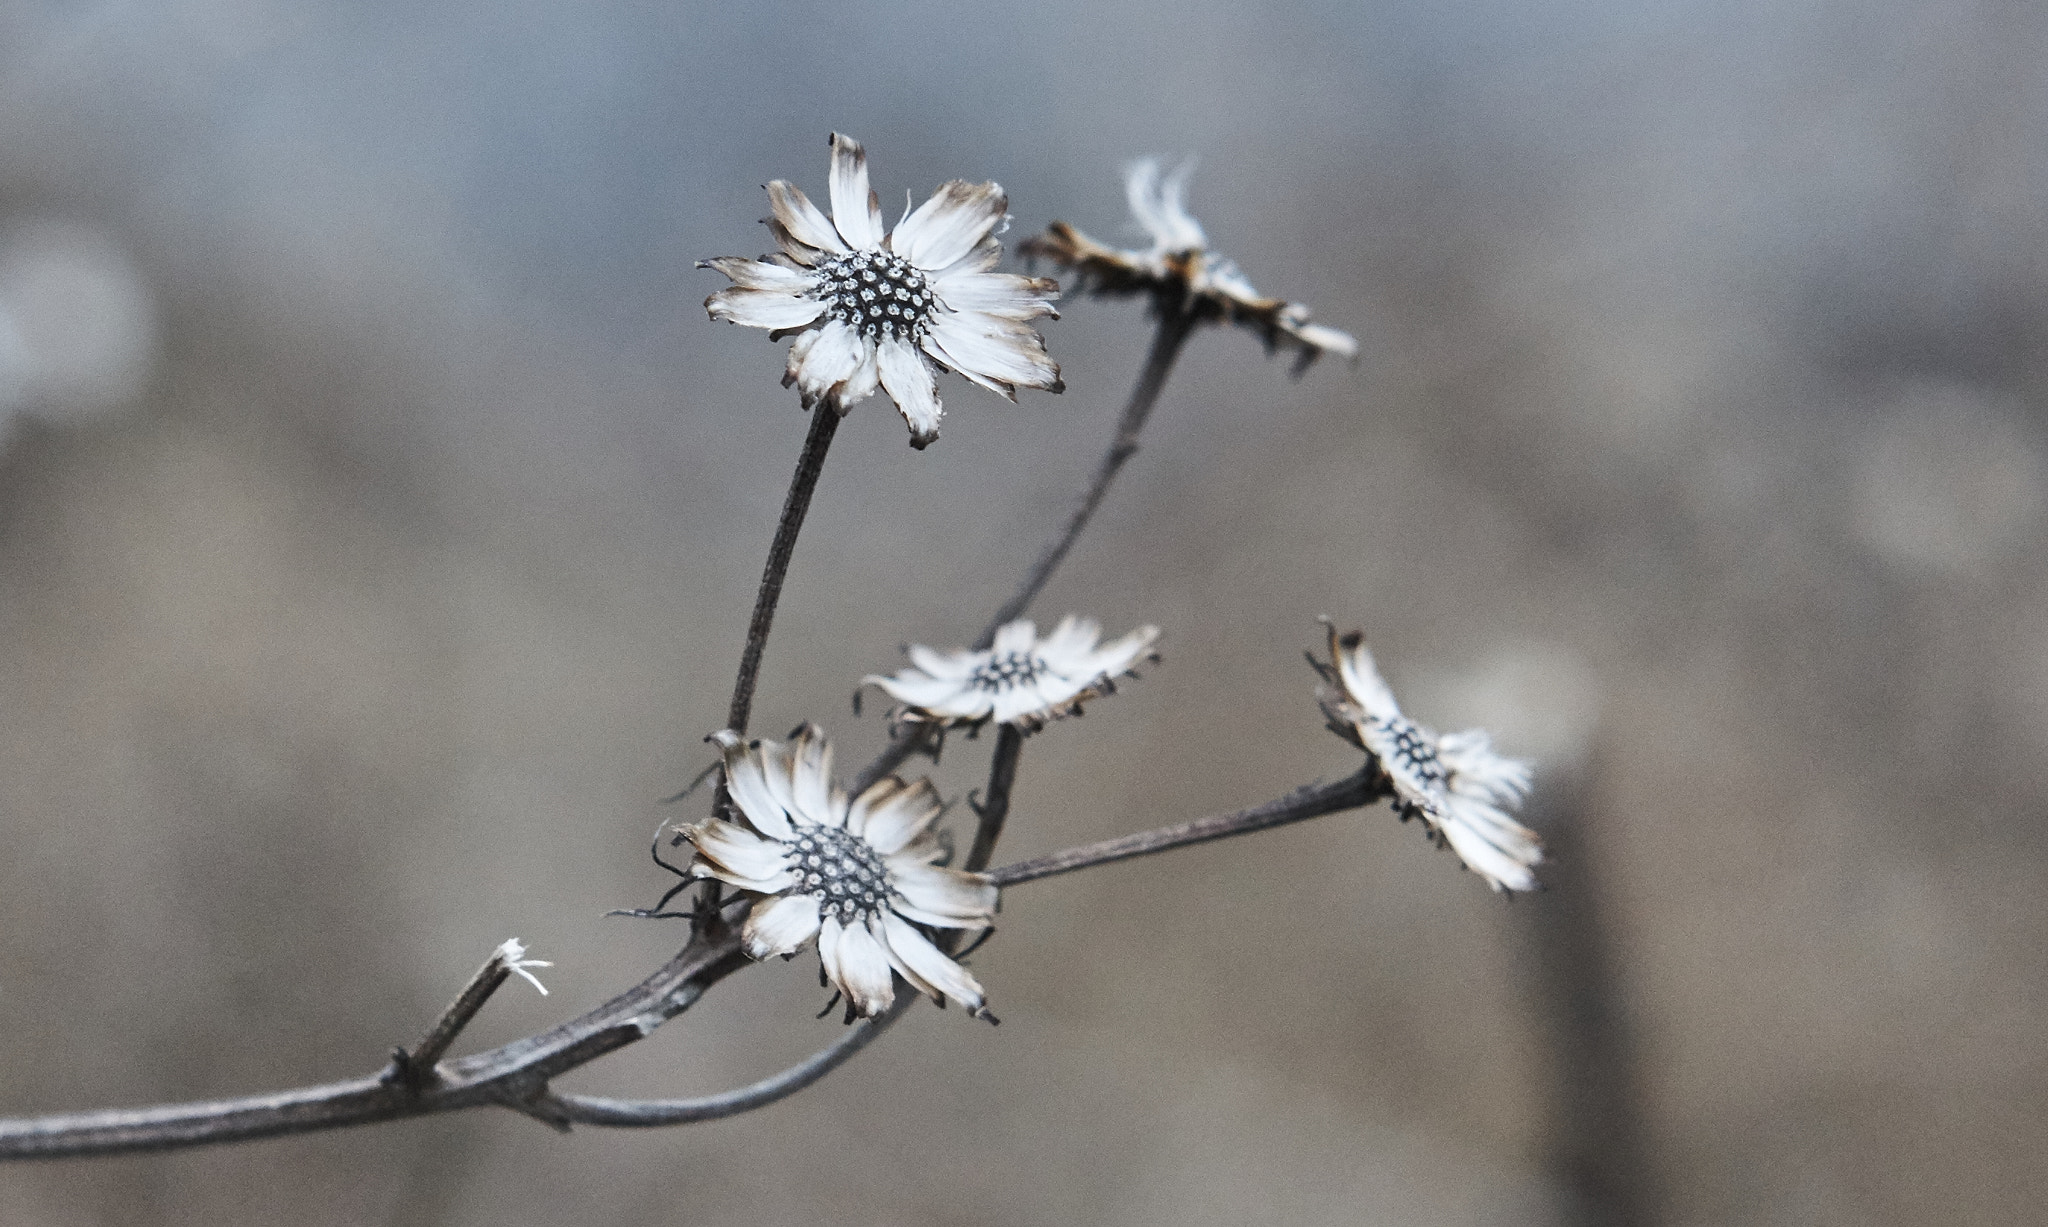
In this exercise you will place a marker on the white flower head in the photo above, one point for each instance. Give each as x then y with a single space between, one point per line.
856 876
1021 679
1454 782
1179 271
871 308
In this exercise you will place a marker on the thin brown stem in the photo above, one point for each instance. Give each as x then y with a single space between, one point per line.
824 423
1174 327
1313 801
995 802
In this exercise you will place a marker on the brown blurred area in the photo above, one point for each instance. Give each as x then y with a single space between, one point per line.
379 516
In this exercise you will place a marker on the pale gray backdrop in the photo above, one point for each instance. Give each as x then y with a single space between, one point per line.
379 516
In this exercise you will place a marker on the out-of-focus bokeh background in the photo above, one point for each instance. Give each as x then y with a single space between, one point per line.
379 515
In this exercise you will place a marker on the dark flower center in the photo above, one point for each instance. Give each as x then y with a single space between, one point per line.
877 294
1415 754
843 870
1006 671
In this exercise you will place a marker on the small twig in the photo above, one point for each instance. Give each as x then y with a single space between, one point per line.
1351 792
1174 328
995 803
646 1113
824 422
416 1068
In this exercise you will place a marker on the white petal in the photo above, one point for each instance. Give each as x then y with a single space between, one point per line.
855 209
859 967
865 378
975 343
780 926
1361 677
900 816
798 350
1018 636
1495 846
950 898
909 380
986 255
1477 771
832 359
949 225
1071 643
736 854
1159 207
812 780
915 953
763 308
749 789
954 665
930 693
1329 339
1118 655
761 275
1000 294
801 218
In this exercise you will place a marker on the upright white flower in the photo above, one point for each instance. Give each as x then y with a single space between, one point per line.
1179 271
1021 680
1455 782
871 308
856 876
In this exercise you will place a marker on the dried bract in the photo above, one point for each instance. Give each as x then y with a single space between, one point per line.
870 308
1454 782
856 876
1022 679
1179 272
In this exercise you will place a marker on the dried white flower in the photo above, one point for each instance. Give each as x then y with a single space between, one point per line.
870 308
1179 269
857 876
513 955
1454 782
1021 680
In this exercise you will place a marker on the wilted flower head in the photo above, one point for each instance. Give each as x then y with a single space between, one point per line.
871 308
1179 272
857 876
1455 782
1021 679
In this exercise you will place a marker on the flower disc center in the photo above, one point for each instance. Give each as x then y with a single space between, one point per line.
1415 753
877 293
843 870
1007 671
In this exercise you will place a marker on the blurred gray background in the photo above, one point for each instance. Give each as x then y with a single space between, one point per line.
379 516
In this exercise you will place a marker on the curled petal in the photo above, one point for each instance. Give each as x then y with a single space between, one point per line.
857 965
855 209
893 819
1000 294
801 218
949 898
928 967
949 225
763 308
909 380
780 926
761 274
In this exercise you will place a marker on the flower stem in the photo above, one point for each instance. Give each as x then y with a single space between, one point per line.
1173 330
995 803
824 422
1313 801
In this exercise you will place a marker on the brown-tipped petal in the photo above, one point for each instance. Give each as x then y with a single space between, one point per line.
945 228
800 218
855 210
909 380
763 308
780 926
761 274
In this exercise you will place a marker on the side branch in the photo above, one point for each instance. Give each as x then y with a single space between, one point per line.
1313 801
